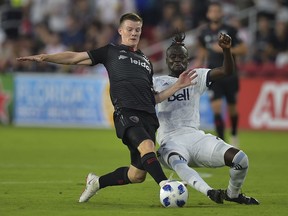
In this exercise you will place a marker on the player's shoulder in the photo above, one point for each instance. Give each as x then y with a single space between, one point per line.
201 70
113 46
116 47
112 49
102 48
163 79
202 74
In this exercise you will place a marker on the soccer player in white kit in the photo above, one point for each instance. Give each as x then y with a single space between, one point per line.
182 144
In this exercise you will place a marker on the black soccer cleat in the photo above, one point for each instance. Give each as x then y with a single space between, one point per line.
216 195
242 199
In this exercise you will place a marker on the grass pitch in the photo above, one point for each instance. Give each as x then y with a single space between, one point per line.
42 172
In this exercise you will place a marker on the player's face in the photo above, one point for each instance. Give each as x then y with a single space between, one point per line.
214 13
130 32
177 59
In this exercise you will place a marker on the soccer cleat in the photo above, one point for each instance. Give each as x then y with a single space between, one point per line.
92 186
242 199
216 195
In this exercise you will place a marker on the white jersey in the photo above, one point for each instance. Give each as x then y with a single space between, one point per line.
179 113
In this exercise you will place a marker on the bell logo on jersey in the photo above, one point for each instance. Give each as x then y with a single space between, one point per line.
141 63
181 96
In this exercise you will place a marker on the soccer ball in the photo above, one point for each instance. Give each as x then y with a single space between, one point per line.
173 194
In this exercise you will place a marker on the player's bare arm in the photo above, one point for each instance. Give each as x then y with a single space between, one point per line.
224 41
240 49
67 58
185 79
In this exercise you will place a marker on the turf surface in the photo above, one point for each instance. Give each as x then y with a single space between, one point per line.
42 172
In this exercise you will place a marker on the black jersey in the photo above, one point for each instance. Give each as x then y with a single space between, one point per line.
208 37
130 74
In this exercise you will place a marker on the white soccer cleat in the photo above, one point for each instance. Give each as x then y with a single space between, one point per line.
92 186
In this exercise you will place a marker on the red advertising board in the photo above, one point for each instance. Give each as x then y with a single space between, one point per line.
263 104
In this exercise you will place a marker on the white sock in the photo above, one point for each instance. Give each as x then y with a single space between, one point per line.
238 173
188 174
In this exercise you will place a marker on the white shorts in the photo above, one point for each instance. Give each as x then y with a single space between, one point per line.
197 148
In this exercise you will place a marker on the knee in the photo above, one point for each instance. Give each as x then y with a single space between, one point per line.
176 161
146 146
136 178
136 175
240 161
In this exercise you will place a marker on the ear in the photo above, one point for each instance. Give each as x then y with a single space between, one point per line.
120 30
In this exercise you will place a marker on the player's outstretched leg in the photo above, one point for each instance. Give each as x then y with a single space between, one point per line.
92 186
238 172
242 199
189 175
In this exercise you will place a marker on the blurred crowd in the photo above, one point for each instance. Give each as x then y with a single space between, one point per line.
29 27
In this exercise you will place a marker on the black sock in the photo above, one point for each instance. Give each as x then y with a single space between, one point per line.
153 167
234 124
117 177
219 124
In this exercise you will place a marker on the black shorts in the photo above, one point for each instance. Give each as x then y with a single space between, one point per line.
133 127
227 87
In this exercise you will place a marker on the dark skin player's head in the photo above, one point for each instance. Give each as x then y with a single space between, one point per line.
177 56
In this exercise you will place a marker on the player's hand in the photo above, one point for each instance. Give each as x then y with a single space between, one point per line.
224 41
187 78
37 58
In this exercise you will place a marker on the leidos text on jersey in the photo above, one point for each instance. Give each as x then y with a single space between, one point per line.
184 95
141 63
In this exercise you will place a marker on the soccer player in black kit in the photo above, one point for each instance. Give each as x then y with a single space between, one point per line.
229 86
133 97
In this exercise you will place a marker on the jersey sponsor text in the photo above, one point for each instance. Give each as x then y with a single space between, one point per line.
183 96
141 63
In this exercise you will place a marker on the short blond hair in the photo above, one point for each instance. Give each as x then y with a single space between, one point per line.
130 16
